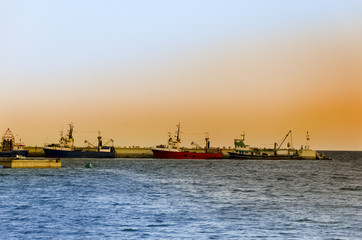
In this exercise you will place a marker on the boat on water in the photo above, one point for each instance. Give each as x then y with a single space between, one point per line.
65 148
173 151
10 148
243 151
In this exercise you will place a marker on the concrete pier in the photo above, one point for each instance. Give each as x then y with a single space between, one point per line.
30 163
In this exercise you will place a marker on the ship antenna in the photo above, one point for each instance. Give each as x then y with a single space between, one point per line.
243 135
178 132
207 141
308 139
99 140
70 134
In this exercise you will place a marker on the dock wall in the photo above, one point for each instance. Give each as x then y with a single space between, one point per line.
31 163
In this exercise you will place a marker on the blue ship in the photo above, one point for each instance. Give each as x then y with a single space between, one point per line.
65 148
11 149
14 153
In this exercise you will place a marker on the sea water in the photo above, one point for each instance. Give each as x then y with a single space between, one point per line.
185 199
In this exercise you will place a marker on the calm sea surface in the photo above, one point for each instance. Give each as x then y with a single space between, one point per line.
185 199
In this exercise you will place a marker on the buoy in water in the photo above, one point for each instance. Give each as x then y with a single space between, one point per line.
88 165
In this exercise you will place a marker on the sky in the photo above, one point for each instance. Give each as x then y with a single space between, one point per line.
133 70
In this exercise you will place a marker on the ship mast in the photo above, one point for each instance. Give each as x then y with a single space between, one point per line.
99 140
67 141
207 141
70 133
178 140
307 141
174 143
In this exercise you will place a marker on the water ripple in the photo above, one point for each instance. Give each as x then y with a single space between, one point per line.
184 199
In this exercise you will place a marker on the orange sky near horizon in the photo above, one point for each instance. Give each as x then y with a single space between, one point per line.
263 89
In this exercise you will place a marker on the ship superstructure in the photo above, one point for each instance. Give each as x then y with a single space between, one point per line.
173 151
65 148
243 151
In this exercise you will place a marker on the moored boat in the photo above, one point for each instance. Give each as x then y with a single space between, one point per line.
65 148
243 151
173 151
9 148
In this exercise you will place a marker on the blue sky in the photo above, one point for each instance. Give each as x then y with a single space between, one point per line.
42 36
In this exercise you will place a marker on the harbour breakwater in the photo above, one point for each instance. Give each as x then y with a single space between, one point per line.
121 152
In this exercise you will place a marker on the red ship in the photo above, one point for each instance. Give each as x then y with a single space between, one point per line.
173 150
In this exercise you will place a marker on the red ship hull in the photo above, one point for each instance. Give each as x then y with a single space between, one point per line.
185 155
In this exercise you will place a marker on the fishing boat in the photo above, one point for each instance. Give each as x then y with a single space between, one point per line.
65 148
173 151
9 148
243 151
